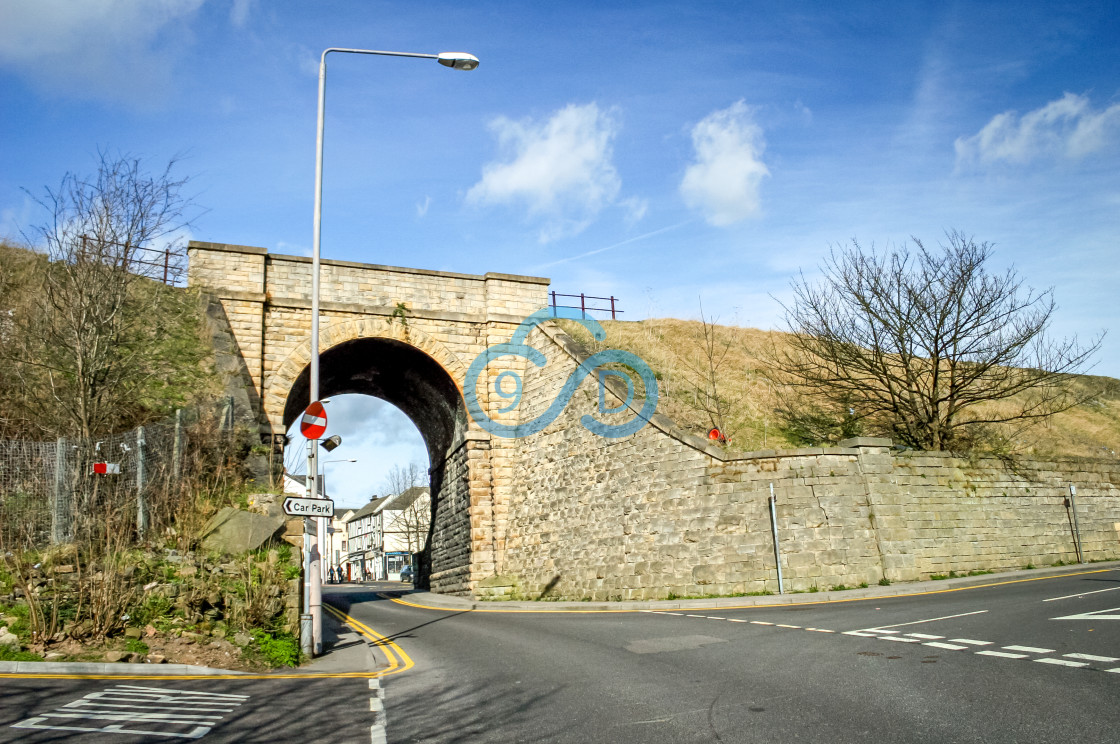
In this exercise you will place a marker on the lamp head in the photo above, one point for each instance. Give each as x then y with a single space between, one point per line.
457 60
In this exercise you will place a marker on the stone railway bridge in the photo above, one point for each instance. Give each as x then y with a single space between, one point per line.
571 514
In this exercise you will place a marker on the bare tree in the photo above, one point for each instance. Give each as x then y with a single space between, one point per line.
927 346
708 394
102 342
413 520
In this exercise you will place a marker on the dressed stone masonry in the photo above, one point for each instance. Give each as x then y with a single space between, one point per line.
573 515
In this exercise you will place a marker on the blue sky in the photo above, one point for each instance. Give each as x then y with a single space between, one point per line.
658 152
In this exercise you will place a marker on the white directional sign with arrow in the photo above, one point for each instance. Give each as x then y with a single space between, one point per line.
298 507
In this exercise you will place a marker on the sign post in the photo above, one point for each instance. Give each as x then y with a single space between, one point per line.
313 425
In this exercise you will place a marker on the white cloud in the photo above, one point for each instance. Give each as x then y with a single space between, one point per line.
560 169
111 49
635 209
723 184
422 207
1068 127
239 13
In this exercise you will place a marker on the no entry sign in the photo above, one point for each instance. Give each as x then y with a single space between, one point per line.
314 421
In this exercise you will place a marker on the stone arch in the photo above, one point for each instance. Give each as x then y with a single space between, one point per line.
283 379
417 374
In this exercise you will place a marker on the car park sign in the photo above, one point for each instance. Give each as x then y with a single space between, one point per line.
298 507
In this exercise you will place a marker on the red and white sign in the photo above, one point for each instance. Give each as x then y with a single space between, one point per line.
107 468
314 421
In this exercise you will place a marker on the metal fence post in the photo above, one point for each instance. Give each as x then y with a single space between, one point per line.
141 506
777 550
177 446
60 521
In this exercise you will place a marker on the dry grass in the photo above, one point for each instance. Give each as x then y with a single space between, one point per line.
672 346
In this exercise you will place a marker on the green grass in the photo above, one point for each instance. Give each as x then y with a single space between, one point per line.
7 653
136 646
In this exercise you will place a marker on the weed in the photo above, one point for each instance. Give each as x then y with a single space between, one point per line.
1028 567
938 577
813 589
979 573
136 646
277 647
863 585
884 581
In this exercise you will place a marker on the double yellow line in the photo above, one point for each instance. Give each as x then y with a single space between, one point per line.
398 660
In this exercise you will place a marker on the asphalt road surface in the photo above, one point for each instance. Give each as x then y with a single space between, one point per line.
34 710
1030 661
1024 661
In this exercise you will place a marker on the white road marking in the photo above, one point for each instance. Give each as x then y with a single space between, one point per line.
713 617
930 620
1063 662
820 630
925 637
970 642
733 620
1098 615
760 622
1082 594
191 717
884 632
1001 654
901 639
1029 649
1114 671
795 627
678 614
950 646
700 616
860 633
1090 657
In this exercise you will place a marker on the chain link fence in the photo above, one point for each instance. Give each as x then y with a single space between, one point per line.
49 491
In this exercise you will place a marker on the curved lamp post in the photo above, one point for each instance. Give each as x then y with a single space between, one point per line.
311 623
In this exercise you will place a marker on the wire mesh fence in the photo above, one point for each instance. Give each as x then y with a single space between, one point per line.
51 491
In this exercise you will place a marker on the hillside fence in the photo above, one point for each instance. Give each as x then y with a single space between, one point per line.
48 488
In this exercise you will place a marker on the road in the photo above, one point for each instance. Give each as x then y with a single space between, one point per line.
1028 661
1016 662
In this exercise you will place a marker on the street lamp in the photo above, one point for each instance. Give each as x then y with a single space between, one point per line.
311 627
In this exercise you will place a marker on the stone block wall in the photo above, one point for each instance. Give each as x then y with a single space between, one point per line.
662 513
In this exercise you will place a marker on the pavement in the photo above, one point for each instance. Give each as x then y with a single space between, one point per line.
445 602
346 651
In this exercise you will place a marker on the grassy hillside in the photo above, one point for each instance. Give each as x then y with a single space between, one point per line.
674 349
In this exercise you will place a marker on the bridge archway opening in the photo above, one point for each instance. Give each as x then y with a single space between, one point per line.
395 372
414 383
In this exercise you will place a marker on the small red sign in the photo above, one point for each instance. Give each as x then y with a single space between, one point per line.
107 468
314 421
716 435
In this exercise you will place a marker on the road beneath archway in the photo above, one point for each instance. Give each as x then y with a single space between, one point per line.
992 664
